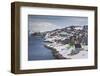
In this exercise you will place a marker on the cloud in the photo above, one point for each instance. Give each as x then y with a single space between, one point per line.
47 23
42 26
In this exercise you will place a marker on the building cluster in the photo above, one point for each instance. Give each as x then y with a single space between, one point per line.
70 35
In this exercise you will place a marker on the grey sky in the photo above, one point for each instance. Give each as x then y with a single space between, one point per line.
41 23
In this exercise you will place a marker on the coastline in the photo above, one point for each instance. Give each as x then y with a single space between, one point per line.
62 52
67 43
55 53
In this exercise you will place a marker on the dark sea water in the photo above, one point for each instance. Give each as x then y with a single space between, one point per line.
36 49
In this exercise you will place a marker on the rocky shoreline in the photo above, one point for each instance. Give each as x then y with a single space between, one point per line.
62 51
56 54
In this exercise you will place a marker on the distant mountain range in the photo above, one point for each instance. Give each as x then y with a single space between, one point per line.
66 29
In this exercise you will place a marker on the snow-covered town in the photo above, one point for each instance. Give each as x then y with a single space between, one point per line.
68 43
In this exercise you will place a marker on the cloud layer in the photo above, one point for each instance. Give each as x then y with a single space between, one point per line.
42 27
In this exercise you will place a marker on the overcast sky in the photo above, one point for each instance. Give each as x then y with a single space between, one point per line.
39 23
